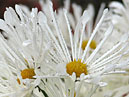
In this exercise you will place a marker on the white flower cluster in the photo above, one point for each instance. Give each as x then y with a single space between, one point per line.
62 54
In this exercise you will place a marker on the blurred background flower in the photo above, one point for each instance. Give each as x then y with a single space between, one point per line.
57 4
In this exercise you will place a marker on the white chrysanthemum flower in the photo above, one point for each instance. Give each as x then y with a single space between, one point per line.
11 86
75 62
74 20
23 52
120 17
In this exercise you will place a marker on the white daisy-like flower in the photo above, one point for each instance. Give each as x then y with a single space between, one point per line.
74 20
22 52
74 61
11 86
120 17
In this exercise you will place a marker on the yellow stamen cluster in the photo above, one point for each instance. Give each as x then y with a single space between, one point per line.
92 44
27 73
76 66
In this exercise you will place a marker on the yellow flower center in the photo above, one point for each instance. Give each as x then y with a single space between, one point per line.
93 44
76 66
27 73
